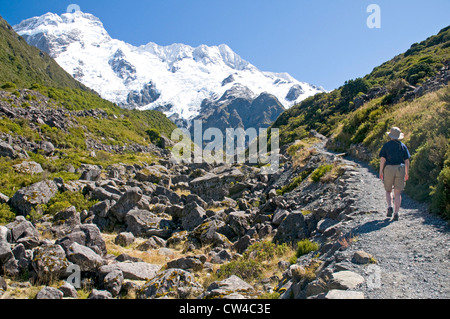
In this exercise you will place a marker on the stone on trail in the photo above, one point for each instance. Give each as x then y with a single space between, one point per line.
345 280
344 294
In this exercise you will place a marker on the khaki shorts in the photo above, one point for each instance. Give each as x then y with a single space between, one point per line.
394 177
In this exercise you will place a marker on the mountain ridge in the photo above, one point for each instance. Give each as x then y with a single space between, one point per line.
182 75
30 65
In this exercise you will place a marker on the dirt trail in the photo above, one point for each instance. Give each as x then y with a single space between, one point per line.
412 254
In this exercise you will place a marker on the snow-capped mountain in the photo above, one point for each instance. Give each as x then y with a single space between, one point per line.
175 79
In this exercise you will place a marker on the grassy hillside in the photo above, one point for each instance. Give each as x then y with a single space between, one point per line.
24 65
122 125
40 102
357 115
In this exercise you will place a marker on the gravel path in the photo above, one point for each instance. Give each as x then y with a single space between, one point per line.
412 254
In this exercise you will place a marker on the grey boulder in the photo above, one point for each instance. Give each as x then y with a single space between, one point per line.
49 263
143 223
84 257
49 293
27 198
231 285
132 270
176 283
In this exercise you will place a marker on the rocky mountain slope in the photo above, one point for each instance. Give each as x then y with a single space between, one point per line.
239 107
154 232
175 79
24 65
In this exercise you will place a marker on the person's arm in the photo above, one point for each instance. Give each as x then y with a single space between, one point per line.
382 164
406 170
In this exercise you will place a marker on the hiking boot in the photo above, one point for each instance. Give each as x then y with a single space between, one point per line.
395 217
390 212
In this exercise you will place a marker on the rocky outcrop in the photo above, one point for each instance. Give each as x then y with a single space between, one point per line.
239 107
124 69
132 270
146 96
176 283
294 93
230 288
87 259
29 168
27 199
216 186
49 263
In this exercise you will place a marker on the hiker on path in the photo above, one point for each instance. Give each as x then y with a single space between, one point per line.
394 169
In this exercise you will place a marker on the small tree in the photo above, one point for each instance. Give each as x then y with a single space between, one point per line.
154 135
353 87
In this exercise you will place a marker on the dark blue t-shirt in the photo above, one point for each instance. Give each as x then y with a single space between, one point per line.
395 153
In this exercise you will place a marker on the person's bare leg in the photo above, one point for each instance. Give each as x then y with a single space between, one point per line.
389 199
397 202
389 203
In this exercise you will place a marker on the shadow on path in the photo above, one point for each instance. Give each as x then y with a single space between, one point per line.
371 226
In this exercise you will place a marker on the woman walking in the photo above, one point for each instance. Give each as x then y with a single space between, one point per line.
394 170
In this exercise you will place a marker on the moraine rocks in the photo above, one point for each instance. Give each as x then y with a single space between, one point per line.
28 198
172 211
176 283
215 185
230 288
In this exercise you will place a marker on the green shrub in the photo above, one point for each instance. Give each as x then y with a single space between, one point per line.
294 184
30 97
419 72
441 193
154 135
294 148
258 258
11 181
353 87
269 295
246 269
64 200
6 214
305 246
265 251
320 172
426 165
9 85
57 207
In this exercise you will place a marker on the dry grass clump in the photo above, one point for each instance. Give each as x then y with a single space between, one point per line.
150 256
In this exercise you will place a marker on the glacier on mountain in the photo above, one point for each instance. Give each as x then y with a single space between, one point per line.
175 79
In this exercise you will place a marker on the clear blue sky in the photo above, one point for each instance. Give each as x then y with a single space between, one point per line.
321 42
